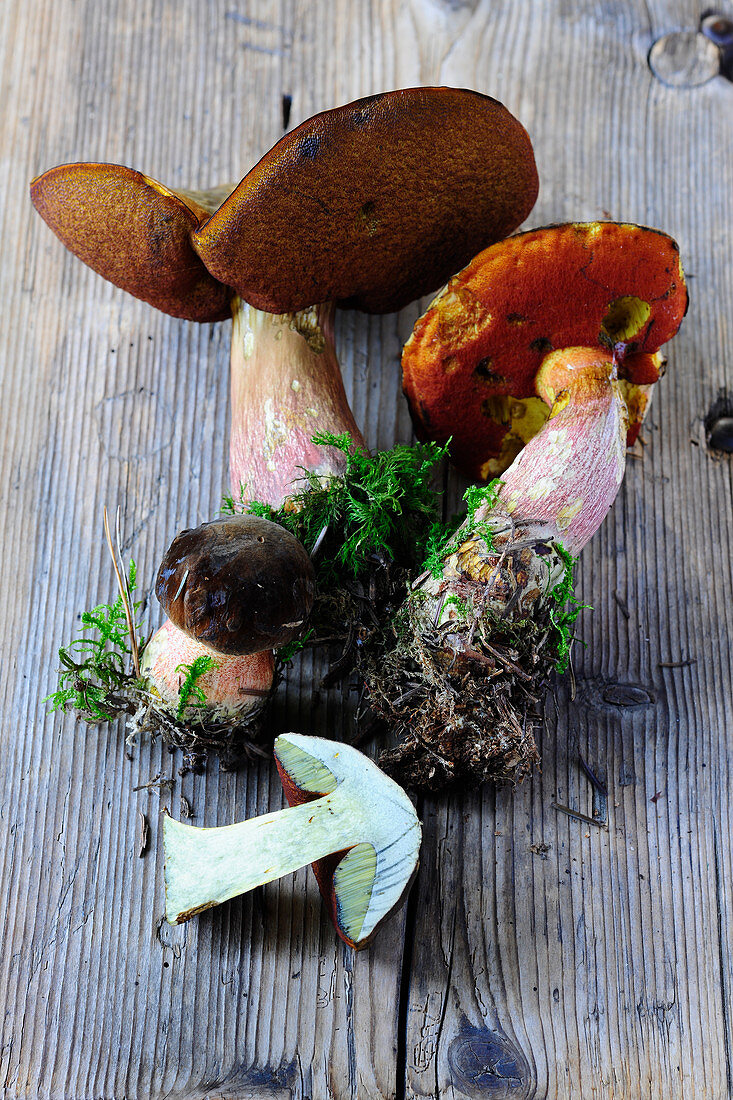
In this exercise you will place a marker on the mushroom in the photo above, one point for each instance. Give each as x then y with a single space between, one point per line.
357 827
369 206
233 589
486 624
470 366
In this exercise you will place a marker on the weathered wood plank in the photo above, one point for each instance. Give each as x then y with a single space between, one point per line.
599 965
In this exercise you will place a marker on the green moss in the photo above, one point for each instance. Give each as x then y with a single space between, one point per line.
384 505
564 609
286 653
444 538
460 604
189 693
97 666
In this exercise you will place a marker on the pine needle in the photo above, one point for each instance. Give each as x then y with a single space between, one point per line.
124 587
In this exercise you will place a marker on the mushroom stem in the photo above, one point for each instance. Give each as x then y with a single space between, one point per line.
503 561
569 474
234 687
483 632
210 866
286 386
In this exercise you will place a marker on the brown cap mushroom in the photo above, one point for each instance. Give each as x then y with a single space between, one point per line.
240 584
134 232
373 204
233 589
470 366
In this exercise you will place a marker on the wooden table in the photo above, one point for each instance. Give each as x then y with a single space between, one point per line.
539 956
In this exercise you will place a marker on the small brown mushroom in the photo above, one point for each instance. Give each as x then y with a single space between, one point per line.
234 589
239 584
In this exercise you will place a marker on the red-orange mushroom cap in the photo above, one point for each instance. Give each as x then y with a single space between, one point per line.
470 365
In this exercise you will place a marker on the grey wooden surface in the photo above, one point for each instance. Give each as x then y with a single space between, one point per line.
538 956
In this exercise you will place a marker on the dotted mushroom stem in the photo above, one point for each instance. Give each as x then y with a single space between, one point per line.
234 687
557 491
568 475
286 386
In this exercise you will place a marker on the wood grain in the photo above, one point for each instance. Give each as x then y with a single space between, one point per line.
538 956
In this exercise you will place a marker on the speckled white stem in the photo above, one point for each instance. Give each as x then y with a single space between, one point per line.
286 386
568 475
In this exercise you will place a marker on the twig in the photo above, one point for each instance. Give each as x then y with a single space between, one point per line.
343 663
518 672
158 781
623 606
143 834
124 589
599 785
419 580
319 540
578 816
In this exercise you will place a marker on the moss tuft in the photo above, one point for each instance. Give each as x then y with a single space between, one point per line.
190 694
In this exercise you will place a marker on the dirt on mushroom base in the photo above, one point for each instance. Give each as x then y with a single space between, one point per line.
464 696
369 532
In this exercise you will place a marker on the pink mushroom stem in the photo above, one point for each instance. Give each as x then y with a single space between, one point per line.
508 555
568 475
286 386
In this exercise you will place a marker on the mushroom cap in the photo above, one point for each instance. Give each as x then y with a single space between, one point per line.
361 885
134 232
239 584
373 204
469 367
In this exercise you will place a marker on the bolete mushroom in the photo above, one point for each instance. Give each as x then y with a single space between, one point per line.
233 589
369 206
470 366
356 825
482 629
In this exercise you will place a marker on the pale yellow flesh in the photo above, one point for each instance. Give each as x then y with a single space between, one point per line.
366 814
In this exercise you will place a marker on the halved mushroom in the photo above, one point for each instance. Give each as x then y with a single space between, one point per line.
369 205
346 817
471 364
482 629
